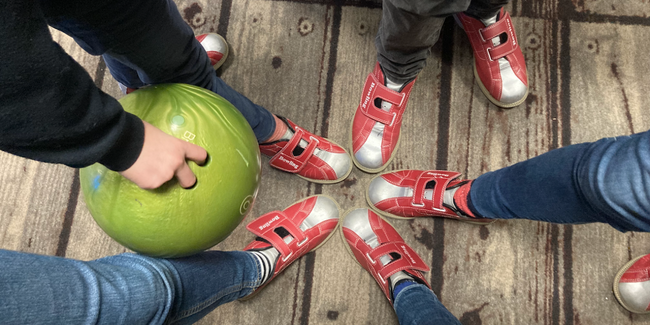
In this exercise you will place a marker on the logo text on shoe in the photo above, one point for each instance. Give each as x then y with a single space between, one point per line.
409 255
268 223
368 97
512 32
437 175
291 163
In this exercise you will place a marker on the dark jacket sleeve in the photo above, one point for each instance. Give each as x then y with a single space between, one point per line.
50 109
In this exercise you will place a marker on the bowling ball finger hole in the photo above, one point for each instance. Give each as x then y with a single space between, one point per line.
193 186
207 161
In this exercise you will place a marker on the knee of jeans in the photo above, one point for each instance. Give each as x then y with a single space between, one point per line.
621 192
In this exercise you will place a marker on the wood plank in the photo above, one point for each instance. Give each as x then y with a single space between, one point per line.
34 202
501 273
279 60
16 179
345 292
35 195
637 8
609 86
308 61
608 99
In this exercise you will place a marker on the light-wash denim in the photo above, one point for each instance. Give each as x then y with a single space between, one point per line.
418 305
123 289
134 289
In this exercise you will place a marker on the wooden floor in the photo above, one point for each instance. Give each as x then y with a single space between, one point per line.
588 72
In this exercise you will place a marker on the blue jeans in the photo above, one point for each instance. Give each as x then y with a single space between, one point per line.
122 289
136 289
604 181
418 305
148 42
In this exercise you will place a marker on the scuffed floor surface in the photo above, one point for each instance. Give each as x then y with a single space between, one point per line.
307 60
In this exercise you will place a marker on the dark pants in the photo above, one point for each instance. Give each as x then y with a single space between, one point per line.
409 28
147 42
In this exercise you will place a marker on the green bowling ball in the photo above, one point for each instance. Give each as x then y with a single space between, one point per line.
171 221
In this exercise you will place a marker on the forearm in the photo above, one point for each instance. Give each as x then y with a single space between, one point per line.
50 109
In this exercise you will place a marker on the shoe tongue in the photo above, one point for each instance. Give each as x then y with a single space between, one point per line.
489 21
287 135
448 197
374 243
394 86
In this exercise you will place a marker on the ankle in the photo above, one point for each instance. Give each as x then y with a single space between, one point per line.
280 131
399 281
394 85
266 260
394 82
461 198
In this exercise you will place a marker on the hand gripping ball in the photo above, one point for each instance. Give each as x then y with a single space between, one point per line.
172 221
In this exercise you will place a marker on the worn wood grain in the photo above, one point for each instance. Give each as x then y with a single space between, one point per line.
347 294
307 60
279 61
638 8
608 99
509 263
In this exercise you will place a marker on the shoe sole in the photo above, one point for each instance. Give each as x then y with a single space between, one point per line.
617 279
372 170
394 216
338 208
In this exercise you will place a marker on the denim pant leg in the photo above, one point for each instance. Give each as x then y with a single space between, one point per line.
605 181
127 76
210 279
150 38
418 305
122 289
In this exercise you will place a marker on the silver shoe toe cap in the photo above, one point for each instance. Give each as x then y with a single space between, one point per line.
357 221
369 158
340 162
379 190
512 88
369 155
635 295
324 209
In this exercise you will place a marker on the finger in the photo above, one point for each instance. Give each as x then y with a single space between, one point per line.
195 153
185 176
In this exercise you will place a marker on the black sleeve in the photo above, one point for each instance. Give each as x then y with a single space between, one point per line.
50 109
